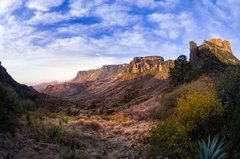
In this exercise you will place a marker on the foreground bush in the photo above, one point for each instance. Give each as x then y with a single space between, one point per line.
169 100
197 107
169 138
197 112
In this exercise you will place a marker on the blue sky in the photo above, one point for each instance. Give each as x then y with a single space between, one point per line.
45 40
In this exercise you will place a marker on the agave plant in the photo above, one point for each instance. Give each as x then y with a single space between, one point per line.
211 149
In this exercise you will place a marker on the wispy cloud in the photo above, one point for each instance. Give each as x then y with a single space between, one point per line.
43 5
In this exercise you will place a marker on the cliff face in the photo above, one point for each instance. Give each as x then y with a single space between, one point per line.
105 72
154 65
213 51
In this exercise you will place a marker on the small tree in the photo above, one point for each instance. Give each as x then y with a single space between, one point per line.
180 73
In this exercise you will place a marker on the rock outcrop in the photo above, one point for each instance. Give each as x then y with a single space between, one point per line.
214 51
154 65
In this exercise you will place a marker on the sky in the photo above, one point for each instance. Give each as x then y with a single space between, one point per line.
46 40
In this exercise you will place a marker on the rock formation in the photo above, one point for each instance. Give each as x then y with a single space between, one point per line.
213 51
149 65
103 73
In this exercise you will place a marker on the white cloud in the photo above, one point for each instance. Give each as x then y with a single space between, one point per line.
43 5
7 6
151 3
47 18
174 25
114 14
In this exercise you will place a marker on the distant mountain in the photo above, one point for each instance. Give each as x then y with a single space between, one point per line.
116 85
40 87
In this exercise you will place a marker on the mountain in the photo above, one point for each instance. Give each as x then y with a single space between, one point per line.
103 73
213 53
42 86
25 92
116 85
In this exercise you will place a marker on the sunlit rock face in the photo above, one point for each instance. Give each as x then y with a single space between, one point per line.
103 73
213 51
154 65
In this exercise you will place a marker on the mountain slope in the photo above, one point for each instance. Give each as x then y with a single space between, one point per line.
116 86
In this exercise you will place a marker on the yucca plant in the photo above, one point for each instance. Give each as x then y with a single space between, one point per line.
211 149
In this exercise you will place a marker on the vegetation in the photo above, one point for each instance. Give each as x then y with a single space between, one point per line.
73 155
212 149
208 106
229 92
196 108
180 73
9 108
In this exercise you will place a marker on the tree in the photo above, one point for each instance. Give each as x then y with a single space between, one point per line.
180 73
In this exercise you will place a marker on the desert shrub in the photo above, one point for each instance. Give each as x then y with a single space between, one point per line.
56 133
169 138
52 115
169 100
197 111
74 155
9 108
197 107
35 126
27 104
42 128
64 119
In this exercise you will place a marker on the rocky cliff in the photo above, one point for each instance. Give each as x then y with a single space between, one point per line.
105 72
214 51
154 65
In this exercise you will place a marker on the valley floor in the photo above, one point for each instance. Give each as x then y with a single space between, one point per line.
118 136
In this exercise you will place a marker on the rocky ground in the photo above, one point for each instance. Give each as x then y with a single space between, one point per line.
122 135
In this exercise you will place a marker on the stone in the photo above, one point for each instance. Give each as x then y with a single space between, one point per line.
217 42
213 51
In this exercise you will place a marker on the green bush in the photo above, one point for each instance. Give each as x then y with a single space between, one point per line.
9 108
169 138
56 133
169 100
196 112
27 104
197 107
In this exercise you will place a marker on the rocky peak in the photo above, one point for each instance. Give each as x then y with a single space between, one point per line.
212 51
149 64
224 45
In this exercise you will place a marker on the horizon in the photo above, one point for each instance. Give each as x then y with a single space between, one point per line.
47 41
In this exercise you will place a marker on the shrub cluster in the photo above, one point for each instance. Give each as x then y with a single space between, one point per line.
9 108
196 108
